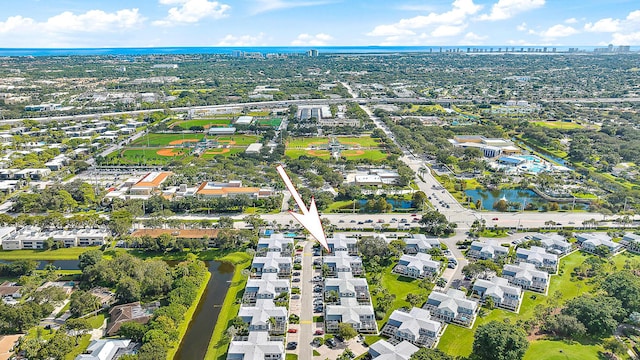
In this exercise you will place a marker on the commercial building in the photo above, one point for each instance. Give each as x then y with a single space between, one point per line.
150 183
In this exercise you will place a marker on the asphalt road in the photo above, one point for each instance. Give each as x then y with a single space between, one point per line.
306 317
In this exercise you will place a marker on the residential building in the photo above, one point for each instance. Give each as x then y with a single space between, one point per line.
452 306
383 350
343 242
539 257
6 232
526 276
346 286
276 242
343 262
272 262
258 345
554 243
487 250
419 243
268 287
417 266
361 317
150 183
265 316
633 242
589 242
414 326
106 349
503 294
129 312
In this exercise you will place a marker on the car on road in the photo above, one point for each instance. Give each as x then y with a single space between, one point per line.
414 215
495 219
293 331
403 220
369 221
292 345
360 223
341 221
352 221
380 221
571 222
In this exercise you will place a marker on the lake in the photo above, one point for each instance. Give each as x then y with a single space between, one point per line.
522 196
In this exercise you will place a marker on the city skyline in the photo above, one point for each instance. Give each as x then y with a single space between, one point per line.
315 23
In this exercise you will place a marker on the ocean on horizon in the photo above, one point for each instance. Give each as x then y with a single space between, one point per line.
263 50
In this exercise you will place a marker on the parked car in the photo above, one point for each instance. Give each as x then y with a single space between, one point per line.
296 280
319 332
297 273
293 331
295 297
292 345
331 342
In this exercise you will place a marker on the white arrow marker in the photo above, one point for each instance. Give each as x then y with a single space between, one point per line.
309 218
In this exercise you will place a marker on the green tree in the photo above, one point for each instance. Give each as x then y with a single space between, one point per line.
347 331
499 341
132 330
624 286
90 257
599 314
120 221
78 326
564 326
128 290
436 224
430 354
83 302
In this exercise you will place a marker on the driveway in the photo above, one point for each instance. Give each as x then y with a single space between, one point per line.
302 307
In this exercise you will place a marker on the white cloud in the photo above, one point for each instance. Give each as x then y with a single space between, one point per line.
629 31
242 40
319 39
93 21
444 24
571 21
192 11
67 22
447 30
626 39
603 25
16 23
522 27
505 9
272 5
414 7
471 38
556 31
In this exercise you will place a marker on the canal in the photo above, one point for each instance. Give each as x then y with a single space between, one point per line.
196 341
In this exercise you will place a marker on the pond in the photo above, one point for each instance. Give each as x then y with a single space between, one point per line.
397 204
195 342
488 198
60 264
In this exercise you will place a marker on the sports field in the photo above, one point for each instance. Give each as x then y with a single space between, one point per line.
275 122
363 147
162 139
303 143
206 123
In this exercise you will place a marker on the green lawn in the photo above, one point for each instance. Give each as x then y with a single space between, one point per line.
291 357
217 346
240 140
560 350
59 254
83 343
458 341
96 321
560 125
294 154
160 140
218 152
275 122
364 141
400 286
203 122
428 108
374 155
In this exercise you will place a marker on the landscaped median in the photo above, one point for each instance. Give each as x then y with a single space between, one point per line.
217 345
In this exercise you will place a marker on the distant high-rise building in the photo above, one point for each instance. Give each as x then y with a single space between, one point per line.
237 53
624 48
312 53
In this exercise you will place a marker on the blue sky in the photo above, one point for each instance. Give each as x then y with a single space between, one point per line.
147 23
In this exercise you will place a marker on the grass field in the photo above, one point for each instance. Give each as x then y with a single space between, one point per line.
275 122
560 350
206 123
458 341
374 155
240 140
210 154
146 155
294 154
161 140
560 125
303 143
428 108
59 254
